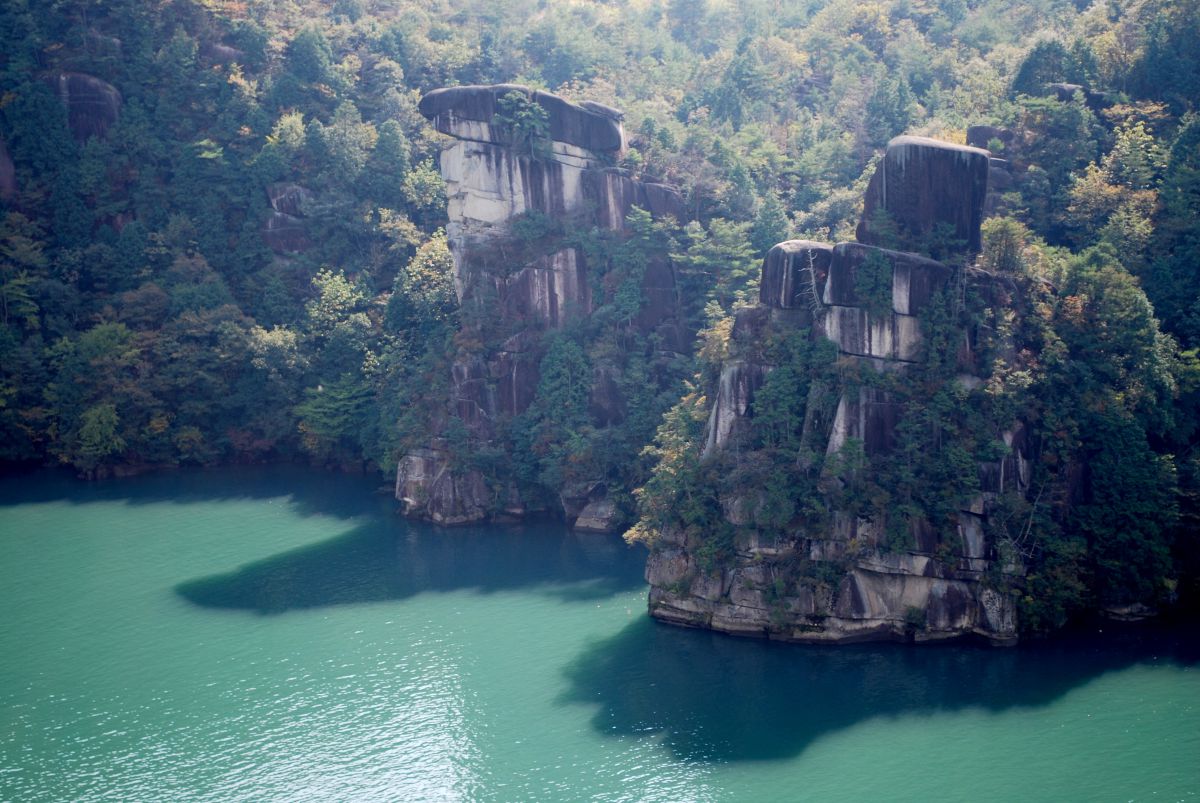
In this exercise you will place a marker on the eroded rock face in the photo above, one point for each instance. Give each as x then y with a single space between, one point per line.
889 333
600 516
735 392
285 234
981 136
532 283
936 588
1000 170
8 173
93 105
284 231
882 595
794 273
221 54
424 478
469 112
289 198
922 183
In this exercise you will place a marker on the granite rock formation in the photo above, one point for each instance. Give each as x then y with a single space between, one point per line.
529 285
1000 169
1065 93
8 173
93 105
284 229
923 184
218 53
939 586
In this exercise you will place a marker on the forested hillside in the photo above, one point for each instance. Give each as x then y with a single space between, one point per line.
221 223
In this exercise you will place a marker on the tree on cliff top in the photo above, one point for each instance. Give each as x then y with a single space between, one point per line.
527 122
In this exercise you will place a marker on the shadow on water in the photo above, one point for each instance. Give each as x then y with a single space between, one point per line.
391 559
381 557
311 491
711 697
716 698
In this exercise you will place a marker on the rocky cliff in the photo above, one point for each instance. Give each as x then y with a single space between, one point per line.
852 557
284 230
93 105
8 173
926 188
531 181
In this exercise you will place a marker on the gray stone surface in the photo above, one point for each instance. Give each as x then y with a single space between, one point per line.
93 105
921 183
531 287
8 173
932 591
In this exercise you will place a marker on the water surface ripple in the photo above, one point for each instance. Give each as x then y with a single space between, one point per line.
278 634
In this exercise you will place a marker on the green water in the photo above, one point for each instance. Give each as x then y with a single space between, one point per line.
277 634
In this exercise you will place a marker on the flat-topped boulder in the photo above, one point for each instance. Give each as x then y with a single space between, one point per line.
793 273
924 186
913 278
468 112
218 53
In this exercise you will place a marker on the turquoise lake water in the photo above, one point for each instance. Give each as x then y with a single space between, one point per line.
279 634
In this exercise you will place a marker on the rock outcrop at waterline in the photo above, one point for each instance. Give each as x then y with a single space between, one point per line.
530 285
839 577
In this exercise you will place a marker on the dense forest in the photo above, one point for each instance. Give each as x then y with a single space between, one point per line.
222 235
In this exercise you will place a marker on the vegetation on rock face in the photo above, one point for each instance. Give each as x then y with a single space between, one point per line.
245 259
527 122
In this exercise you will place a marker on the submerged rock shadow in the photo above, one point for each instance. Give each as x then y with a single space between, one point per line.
716 698
390 559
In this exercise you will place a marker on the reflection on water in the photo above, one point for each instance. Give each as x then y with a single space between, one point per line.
720 698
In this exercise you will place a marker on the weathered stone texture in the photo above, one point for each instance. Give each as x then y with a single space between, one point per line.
491 184
424 479
735 393
599 516
8 173
289 198
933 590
93 105
468 113
793 274
867 415
285 234
921 183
